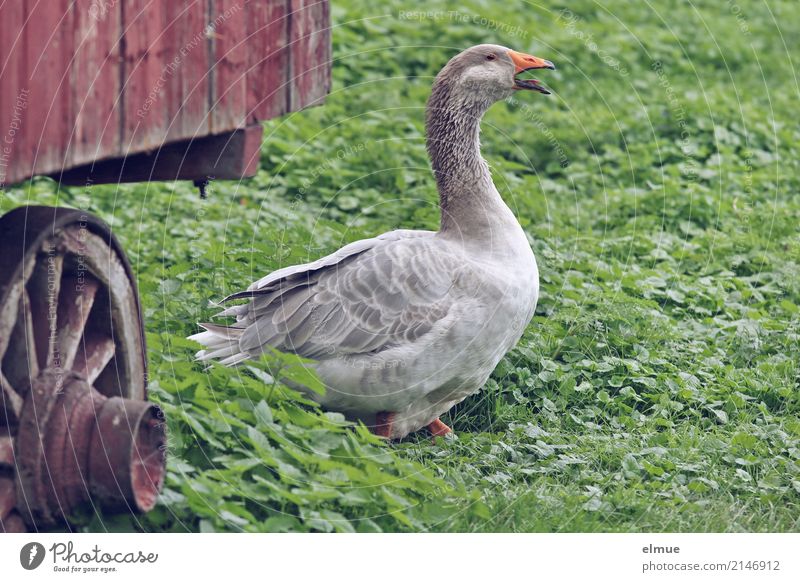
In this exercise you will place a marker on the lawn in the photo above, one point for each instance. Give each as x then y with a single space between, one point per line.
657 387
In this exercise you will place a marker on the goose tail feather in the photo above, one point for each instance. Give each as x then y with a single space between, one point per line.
221 343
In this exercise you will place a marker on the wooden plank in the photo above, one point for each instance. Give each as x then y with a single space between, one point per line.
310 42
174 56
48 50
95 80
268 59
14 94
227 156
143 92
227 29
186 52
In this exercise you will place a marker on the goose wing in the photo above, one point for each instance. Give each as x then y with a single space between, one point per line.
366 297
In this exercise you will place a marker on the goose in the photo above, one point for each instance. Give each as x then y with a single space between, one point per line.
403 326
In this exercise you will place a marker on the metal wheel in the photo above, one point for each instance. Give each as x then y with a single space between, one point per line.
75 429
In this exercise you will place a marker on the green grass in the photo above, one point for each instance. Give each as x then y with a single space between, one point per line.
658 386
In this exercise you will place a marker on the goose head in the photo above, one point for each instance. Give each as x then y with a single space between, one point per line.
462 92
488 73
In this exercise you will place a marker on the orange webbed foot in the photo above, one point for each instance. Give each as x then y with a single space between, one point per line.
438 428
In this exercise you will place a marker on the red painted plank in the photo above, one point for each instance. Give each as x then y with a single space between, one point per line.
13 95
228 30
48 51
268 59
311 52
144 76
186 54
96 108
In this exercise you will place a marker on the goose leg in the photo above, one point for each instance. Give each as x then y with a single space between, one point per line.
383 424
438 428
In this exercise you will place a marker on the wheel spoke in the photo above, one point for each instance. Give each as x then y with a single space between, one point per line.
94 354
30 338
10 402
74 305
43 290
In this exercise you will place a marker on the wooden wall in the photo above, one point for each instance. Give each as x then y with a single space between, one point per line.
88 80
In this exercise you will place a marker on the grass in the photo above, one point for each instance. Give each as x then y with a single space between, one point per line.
658 386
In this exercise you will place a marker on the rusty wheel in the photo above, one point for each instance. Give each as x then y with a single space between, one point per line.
75 429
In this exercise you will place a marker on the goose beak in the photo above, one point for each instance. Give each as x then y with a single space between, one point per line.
522 63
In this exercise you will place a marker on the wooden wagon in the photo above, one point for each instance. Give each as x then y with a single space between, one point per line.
104 91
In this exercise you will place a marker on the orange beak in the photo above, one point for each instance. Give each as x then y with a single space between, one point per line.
523 63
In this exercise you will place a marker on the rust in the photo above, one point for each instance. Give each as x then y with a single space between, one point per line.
8 497
126 461
6 452
12 524
77 447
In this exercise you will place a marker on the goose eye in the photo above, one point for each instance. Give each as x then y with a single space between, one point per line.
491 57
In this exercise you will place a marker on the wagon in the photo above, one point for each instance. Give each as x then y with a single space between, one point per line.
109 91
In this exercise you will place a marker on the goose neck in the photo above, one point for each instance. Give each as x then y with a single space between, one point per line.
467 196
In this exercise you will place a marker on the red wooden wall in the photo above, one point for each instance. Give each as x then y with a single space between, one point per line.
88 80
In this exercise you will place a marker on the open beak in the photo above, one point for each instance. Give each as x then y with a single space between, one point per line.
523 63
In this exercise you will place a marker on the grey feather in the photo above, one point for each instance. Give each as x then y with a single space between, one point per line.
368 296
